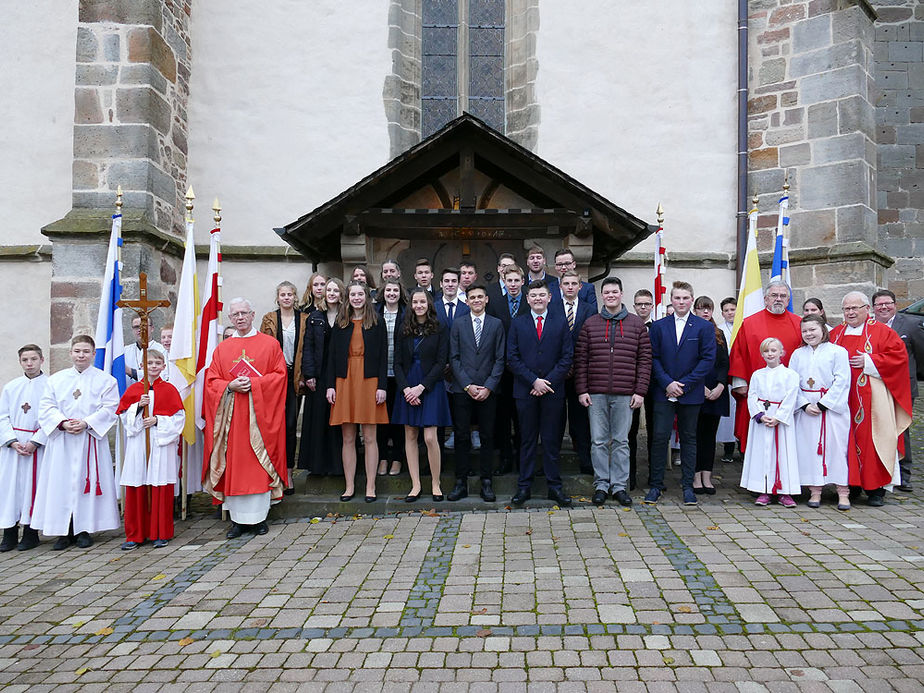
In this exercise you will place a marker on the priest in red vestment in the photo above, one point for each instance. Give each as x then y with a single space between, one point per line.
245 429
745 358
880 398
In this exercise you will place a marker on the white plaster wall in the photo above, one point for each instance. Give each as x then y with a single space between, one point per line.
37 50
285 108
638 101
26 318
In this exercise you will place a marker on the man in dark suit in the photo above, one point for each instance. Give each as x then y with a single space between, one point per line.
497 291
575 312
449 306
910 329
564 261
476 355
682 353
423 275
535 270
539 352
506 308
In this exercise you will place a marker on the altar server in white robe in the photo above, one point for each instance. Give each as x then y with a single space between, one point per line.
21 449
771 467
76 492
822 411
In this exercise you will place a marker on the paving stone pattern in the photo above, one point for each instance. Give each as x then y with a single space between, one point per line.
723 597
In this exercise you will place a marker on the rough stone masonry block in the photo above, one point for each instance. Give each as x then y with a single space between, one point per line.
85 175
841 148
910 52
836 84
86 106
856 114
795 155
857 223
87 45
852 23
812 229
145 74
824 59
143 105
772 71
834 185
811 34
122 12
822 120
145 45
114 142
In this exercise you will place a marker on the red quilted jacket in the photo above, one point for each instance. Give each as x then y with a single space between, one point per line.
612 357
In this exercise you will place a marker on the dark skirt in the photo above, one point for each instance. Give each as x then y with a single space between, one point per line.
433 409
321 444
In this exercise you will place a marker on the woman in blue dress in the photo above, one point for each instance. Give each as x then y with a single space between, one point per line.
421 356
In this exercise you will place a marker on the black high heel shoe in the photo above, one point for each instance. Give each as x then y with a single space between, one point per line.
411 498
438 497
371 499
347 498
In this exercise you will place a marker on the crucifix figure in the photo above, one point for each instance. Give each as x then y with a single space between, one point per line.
766 405
25 407
143 308
810 382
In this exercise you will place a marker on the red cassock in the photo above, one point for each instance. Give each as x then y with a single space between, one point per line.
252 463
865 465
745 357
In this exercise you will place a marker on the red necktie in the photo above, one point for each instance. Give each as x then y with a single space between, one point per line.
539 327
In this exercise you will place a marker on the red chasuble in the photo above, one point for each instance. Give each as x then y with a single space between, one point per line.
167 400
245 432
877 418
745 356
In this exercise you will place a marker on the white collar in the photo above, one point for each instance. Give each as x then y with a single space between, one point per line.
253 331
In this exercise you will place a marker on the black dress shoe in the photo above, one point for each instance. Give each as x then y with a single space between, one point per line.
61 543
438 497
708 490
460 490
346 498
904 488
371 499
622 498
875 501
30 539
260 528
521 496
288 491
10 537
560 498
84 540
411 498
599 497
235 531
487 491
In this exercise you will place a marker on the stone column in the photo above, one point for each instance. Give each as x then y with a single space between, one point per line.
130 127
811 116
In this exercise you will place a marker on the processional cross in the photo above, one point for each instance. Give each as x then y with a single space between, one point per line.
143 308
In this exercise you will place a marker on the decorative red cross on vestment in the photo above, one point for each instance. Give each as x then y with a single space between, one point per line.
25 407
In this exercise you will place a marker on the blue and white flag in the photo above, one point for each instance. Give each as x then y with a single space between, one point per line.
110 347
779 270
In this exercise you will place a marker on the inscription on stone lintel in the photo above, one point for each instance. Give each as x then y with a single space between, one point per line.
471 234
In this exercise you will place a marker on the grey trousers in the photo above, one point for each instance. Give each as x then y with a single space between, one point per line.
610 419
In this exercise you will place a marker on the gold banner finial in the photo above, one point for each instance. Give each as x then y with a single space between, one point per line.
216 207
190 197
119 200
786 183
660 214
755 200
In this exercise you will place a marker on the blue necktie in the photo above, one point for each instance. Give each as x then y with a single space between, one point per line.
514 306
449 311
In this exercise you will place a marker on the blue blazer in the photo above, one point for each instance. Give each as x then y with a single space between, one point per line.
586 294
688 362
529 358
461 309
584 311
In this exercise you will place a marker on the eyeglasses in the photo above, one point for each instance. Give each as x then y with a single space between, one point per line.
564 264
853 309
241 313
643 305
883 304
780 296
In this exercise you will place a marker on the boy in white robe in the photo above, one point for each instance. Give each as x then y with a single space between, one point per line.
823 413
149 479
76 491
21 449
771 467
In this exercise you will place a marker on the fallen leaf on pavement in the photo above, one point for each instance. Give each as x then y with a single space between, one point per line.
314 520
159 576
183 642
529 531
389 536
215 654
82 670
684 610
713 528
105 631
483 633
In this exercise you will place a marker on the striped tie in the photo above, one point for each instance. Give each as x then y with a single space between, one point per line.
477 332
570 317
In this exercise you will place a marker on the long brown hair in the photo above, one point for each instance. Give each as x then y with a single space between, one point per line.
430 325
345 314
308 301
706 302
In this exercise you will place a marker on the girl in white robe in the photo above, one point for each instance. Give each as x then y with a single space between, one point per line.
771 467
76 481
822 414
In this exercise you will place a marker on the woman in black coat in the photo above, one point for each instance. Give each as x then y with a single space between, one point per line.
320 448
421 356
391 307
714 407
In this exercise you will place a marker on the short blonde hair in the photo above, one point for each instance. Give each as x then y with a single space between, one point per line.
764 345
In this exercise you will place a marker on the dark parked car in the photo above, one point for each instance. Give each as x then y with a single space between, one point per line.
916 308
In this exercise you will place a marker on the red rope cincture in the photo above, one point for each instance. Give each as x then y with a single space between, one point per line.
86 488
823 433
777 481
34 467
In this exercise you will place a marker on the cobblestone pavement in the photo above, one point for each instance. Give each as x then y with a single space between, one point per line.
726 596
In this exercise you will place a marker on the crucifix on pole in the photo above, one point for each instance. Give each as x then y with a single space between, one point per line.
143 307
